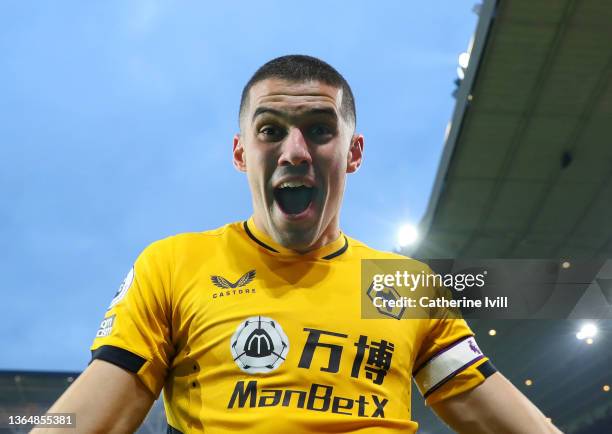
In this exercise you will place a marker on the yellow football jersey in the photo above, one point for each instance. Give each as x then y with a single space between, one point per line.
244 335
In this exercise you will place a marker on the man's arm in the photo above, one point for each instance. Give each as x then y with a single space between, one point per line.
496 406
106 399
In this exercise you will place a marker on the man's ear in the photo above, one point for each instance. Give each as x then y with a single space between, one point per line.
355 154
238 152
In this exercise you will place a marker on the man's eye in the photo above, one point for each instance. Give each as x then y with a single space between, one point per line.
270 132
320 131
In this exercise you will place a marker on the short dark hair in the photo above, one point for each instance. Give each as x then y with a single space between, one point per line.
300 68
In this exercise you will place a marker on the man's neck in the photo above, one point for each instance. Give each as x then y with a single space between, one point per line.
330 234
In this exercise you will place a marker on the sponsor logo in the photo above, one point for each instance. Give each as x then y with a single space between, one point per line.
222 282
318 398
233 292
106 327
236 288
123 289
259 345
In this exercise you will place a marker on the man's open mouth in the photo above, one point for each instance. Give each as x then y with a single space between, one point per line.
293 197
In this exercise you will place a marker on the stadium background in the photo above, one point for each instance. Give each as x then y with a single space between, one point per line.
525 172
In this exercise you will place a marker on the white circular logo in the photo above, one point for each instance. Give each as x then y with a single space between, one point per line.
125 285
259 345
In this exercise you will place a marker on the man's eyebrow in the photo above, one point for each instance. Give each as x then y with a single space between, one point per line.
328 111
262 110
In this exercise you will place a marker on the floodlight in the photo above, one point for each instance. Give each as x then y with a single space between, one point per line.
460 73
587 331
407 235
464 59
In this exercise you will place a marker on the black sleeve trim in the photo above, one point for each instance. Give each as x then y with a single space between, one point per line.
119 357
487 369
172 430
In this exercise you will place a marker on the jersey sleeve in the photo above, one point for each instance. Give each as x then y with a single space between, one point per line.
449 361
135 331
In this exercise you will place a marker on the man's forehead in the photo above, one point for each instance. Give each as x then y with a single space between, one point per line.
294 95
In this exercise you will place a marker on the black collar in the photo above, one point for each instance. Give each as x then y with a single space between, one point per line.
332 255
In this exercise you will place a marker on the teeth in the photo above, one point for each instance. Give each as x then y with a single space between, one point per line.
292 184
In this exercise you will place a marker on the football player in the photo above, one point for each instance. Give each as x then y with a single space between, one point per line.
257 326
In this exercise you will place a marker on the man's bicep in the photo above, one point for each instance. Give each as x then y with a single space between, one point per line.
105 399
495 406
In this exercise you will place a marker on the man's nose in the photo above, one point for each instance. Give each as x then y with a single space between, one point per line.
294 149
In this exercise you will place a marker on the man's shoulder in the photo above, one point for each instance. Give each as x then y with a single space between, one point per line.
195 240
363 251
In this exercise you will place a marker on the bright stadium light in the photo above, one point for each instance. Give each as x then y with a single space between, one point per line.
407 235
587 331
464 59
460 73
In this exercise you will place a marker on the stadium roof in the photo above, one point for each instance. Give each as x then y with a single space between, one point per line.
527 166
526 172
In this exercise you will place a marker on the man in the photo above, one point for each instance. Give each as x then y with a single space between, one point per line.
256 326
